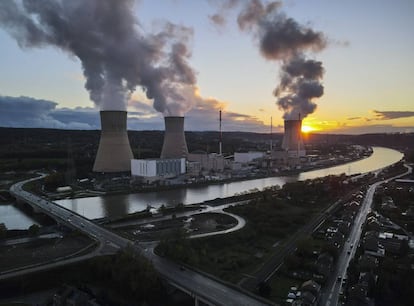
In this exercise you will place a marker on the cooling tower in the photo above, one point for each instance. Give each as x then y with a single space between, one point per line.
292 139
174 145
114 152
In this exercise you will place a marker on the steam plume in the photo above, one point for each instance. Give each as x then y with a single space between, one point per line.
116 55
282 38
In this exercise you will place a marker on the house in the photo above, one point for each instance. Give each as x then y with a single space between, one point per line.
352 206
373 224
391 245
372 246
388 204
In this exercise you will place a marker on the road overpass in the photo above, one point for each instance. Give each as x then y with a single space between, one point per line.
203 288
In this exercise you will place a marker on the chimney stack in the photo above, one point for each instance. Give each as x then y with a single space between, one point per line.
174 145
271 134
114 152
221 136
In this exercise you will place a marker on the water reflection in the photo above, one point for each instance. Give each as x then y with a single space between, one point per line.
15 218
118 205
380 158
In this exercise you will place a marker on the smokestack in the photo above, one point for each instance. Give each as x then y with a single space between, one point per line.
292 139
174 145
271 134
221 136
114 152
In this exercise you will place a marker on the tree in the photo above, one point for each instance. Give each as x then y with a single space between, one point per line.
34 230
409 156
305 246
54 180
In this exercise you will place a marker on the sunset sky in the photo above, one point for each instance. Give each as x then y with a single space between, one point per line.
368 80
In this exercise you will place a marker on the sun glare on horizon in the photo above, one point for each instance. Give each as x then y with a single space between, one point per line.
307 129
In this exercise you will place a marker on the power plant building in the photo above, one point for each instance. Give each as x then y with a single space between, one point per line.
155 169
174 145
208 162
114 151
247 157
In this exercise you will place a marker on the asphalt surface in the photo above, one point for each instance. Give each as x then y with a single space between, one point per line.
208 289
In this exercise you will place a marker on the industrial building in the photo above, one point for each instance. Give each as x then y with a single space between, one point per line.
208 162
114 151
151 170
247 157
174 145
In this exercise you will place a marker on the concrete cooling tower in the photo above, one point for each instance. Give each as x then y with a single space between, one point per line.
292 139
174 145
114 152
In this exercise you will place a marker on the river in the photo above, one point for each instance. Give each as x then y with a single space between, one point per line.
119 205
14 218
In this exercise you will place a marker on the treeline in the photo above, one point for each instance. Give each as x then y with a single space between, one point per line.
121 279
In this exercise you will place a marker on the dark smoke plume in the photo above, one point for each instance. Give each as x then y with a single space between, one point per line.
282 38
116 55
224 7
299 85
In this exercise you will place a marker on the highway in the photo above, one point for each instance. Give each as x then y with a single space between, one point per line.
333 287
208 290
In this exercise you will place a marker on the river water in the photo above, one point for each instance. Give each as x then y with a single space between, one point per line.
14 218
119 205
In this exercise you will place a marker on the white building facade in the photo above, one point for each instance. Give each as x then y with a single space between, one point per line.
157 168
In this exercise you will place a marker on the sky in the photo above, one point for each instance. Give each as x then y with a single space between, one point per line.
368 81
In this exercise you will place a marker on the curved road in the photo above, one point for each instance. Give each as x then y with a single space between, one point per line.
216 209
206 289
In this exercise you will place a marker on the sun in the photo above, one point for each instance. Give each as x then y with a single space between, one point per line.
307 129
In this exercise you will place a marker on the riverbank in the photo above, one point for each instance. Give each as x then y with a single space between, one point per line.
125 187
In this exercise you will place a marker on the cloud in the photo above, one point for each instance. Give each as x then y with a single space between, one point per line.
370 129
26 112
116 53
224 7
218 20
205 116
389 115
